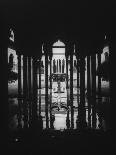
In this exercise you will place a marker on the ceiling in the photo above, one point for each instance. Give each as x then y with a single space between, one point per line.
83 22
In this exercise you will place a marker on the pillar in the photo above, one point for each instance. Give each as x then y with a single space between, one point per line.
46 89
19 92
25 92
39 86
51 122
99 85
34 104
67 87
29 90
71 89
78 66
82 114
57 65
88 91
93 68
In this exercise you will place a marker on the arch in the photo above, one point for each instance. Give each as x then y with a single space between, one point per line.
59 43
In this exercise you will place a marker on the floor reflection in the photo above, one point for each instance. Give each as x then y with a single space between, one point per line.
60 121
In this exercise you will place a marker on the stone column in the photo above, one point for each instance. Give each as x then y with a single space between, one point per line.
78 69
25 92
4 81
29 90
39 86
67 87
82 116
51 122
34 104
46 89
99 86
71 87
57 65
19 92
93 68
61 66
88 91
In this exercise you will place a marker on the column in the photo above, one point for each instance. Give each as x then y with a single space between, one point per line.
71 89
88 91
82 116
67 87
78 66
19 92
34 104
93 68
51 122
46 89
57 65
61 66
39 86
78 92
99 86
25 92
29 90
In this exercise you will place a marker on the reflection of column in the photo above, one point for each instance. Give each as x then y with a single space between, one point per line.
88 91
46 89
25 91
93 68
19 91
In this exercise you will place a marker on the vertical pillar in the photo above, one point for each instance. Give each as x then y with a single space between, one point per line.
93 68
19 92
51 124
34 104
78 66
4 81
61 65
99 85
88 91
71 89
99 78
46 89
57 65
25 93
82 116
29 90
67 87
39 86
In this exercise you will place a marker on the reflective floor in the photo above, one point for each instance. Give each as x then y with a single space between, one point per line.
60 116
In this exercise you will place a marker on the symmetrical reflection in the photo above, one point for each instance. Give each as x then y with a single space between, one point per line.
61 90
